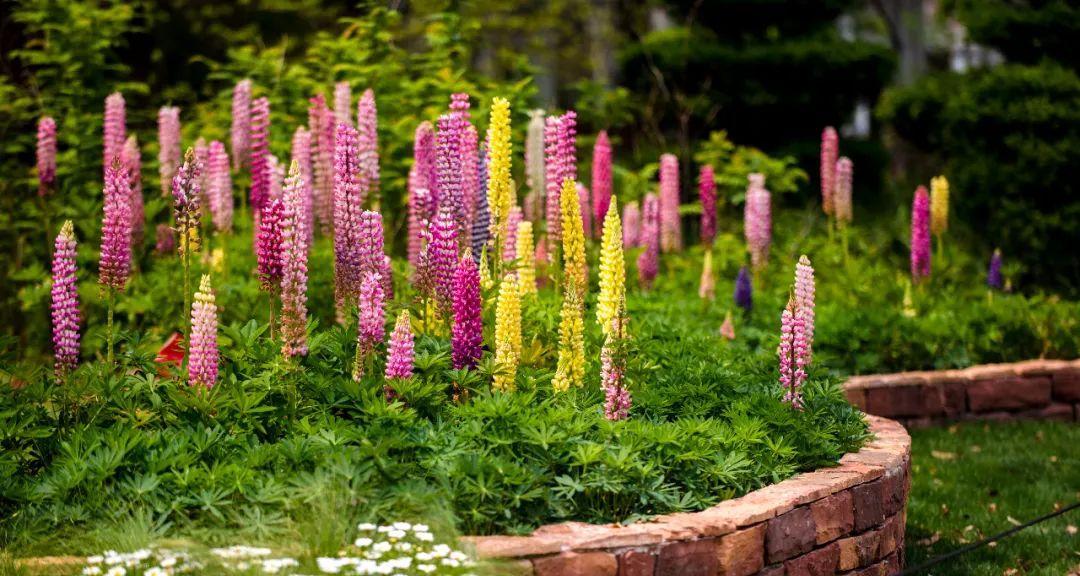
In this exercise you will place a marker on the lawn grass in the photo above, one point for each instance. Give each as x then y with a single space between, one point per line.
973 480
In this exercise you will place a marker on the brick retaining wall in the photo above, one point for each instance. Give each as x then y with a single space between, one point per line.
847 520
1037 389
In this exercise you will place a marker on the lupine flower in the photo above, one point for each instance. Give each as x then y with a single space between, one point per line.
612 270
367 127
443 250
842 190
203 352
568 146
448 164
220 187
186 194
670 225
165 239
342 103
240 131
467 333
500 191
301 153
294 256
613 357
202 156
648 261
399 365
387 272
920 235
470 167
46 154
570 368
707 193
372 248
939 205
553 170
534 166
829 152
114 129
707 285
631 221
507 333
542 260
277 177
993 272
268 247
426 166
115 263
481 226
601 180
727 329
260 154
585 209
348 200
513 219
65 302
757 221
322 127
573 248
424 275
168 146
132 161
417 223
804 296
793 352
526 263
744 293
371 326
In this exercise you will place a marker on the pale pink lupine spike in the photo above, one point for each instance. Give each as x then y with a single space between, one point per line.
829 151
240 130
367 126
46 154
294 239
169 153
670 224
114 128
219 183
342 103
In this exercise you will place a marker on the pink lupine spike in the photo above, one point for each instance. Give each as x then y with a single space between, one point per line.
169 153
322 128
294 256
631 222
804 295
203 355
268 247
584 209
260 154
342 103
757 221
601 181
399 364
444 256
513 218
371 322
797 334
65 302
347 209
367 127
920 235
372 257
829 152
114 128
470 169
670 224
115 263
46 155
553 183
707 193
426 167
301 154
448 168
131 158
219 182
648 261
240 130
467 334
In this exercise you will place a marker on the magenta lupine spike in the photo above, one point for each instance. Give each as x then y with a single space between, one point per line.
367 127
114 129
260 154
220 187
417 223
631 222
513 218
399 364
371 322
585 209
240 131
115 263
65 302
46 154
322 128
829 152
347 209
670 225
301 154
804 296
648 261
426 166
268 247
203 353
707 193
294 256
601 181
165 239
342 103
467 333
444 256
553 183
920 235
424 274
169 153
448 164
757 221
131 158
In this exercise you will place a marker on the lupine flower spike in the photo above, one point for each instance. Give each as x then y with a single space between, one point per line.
613 357
399 363
534 166
65 302
526 258
707 285
601 180
842 191
260 154
805 294
585 209
573 248
796 337
570 369
132 160
443 252
240 131
187 193
347 208
203 352
114 129
481 226
612 270
371 326
220 183
513 219
670 225
993 272
322 127
649 260
46 155
294 256
500 189
707 193
342 103
744 294
920 235
115 265
631 222
507 334
468 330
939 205
301 153
727 329
553 183
165 239
829 152
757 221
168 146
367 128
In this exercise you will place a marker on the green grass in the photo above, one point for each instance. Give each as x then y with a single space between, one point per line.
977 479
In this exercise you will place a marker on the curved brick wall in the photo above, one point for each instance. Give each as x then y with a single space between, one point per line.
843 520
1041 389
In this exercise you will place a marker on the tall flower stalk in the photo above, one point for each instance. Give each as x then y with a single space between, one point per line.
268 255
342 103
507 334
220 183
534 166
186 216
757 222
301 154
294 257
322 127
169 154
939 210
553 181
670 225
573 248
994 279
115 264
467 333
526 258
240 130
46 155
797 334
64 298
829 152
631 221
367 129
707 194
260 154
570 367
481 226
585 209
399 363
500 189
744 291
613 359
114 129
443 251
612 270
371 325
348 199
804 295
131 158
601 181
513 219
920 235
649 260
203 352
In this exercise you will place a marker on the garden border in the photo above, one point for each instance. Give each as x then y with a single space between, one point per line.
847 519
1033 389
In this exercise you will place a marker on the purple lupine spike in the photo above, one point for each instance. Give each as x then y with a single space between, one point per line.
920 235
707 193
46 154
260 154
426 166
169 153
301 154
757 221
203 353
65 302
513 218
448 162
187 193
601 180
399 364
481 228
240 130
367 128
470 166
444 256
294 256
371 322
219 182
804 296
347 209
744 291
993 272
322 128
115 263
670 224
584 208
568 146
131 158
418 198
648 261
165 239
631 222
553 182
268 247
342 103
387 272
467 333
114 128
202 156
371 245
424 274
829 152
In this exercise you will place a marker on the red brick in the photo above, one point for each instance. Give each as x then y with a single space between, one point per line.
895 401
875 570
1056 411
1010 393
512 546
891 533
894 491
954 397
869 501
860 550
855 395
833 516
694 558
892 565
637 563
772 571
820 562
1067 385
790 534
742 553
575 564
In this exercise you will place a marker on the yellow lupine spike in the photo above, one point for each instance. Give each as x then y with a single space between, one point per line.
573 247
570 370
612 269
939 205
500 188
526 258
507 333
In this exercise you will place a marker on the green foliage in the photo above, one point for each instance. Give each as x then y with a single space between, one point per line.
733 164
1027 31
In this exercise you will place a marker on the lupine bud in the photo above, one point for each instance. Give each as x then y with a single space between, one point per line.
132 161
342 103
570 368
631 221
939 205
842 190
744 293
444 256
553 170
168 146
323 134
612 269
829 152
707 193
993 273
513 219
371 326
920 235
65 302
481 226
707 285
467 333
613 357
367 128
601 180
46 154
294 257
757 221
260 154
526 263
534 166
573 248
649 260
426 166
500 191
804 296
115 263
301 153
240 131
507 334
203 352
348 201
114 129
399 366
268 247
585 209
670 224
